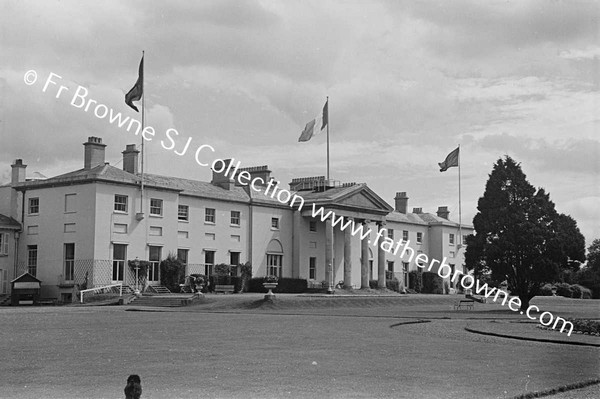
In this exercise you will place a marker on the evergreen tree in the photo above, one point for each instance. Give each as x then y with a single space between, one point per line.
518 234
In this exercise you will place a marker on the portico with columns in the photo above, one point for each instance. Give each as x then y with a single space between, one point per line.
347 256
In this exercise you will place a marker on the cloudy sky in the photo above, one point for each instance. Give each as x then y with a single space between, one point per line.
408 81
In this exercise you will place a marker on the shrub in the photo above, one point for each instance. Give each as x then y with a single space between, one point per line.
415 280
172 273
246 275
222 269
284 285
432 283
586 326
576 291
564 289
393 284
584 292
373 284
546 290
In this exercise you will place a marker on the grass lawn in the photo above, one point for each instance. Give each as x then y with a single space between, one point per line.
87 352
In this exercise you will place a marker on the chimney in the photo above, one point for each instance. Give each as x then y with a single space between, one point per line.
18 172
443 212
17 176
130 159
93 153
262 172
417 210
222 178
401 202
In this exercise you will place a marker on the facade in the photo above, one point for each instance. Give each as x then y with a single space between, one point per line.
81 228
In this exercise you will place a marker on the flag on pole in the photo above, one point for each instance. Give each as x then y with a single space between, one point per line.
316 125
136 92
450 161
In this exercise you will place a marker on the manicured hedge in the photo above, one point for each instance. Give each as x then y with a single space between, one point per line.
432 283
415 280
284 285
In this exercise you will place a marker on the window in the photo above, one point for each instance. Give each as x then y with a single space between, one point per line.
32 258
390 233
183 213
464 240
312 268
405 235
34 206
210 215
274 263
420 262
182 255
3 243
32 230
154 258
69 262
419 238
452 254
275 223
312 244
235 218
156 206
119 257
155 231
405 273
70 205
183 234
210 236
451 239
452 274
390 266
234 258
209 262
312 226
120 203
236 238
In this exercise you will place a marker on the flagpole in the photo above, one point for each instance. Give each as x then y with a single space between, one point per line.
327 102
142 137
460 242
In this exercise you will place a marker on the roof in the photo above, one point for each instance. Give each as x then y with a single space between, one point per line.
432 219
103 172
198 188
411 218
9 223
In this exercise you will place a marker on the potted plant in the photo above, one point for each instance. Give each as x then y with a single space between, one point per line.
269 283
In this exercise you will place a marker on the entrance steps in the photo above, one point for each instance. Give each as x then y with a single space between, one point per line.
165 300
158 289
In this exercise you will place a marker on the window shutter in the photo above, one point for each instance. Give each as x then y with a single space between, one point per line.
4 281
4 248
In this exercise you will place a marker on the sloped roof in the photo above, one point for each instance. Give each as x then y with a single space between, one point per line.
411 218
198 188
354 195
432 219
9 223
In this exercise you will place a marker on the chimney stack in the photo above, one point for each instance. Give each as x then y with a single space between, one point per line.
130 159
18 172
443 212
93 152
221 179
401 202
417 210
17 176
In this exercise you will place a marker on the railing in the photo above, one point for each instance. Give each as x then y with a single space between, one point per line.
101 290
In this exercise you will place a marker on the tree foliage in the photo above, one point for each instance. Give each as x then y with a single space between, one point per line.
172 272
519 235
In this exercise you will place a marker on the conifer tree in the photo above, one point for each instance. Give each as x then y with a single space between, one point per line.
518 234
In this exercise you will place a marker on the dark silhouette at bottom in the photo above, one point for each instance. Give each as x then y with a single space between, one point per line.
133 389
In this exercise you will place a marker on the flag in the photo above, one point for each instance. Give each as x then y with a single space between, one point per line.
136 92
312 127
450 161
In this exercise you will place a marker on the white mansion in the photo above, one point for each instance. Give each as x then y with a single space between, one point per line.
85 225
